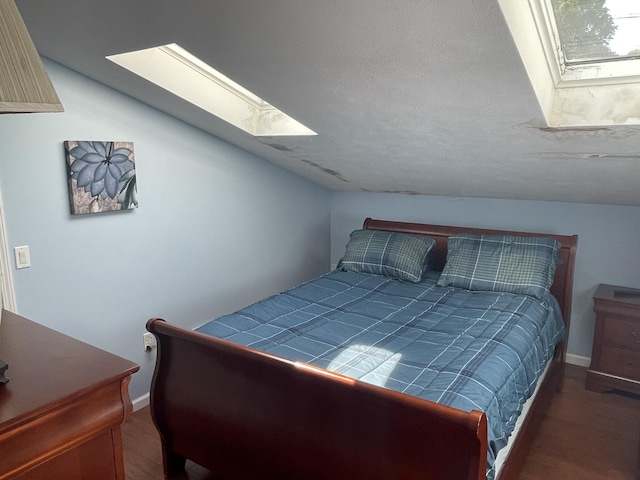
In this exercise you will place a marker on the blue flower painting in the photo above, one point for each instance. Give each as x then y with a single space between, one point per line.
102 176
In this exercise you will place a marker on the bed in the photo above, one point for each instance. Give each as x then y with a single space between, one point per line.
247 395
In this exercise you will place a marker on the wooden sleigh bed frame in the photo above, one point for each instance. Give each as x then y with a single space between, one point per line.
247 414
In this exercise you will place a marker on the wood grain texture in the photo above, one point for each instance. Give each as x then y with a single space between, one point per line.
24 83
585 435
60 412
298 421
615 355
301 423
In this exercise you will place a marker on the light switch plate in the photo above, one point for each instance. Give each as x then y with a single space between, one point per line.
23 260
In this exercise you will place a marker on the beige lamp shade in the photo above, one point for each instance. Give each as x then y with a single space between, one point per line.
25 86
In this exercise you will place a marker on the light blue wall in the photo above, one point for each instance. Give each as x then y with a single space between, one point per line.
216 229
608 247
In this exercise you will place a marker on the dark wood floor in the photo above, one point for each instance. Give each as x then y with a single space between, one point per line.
585 436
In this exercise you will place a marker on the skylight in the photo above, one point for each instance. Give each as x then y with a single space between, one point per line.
597 31
582 58
181 73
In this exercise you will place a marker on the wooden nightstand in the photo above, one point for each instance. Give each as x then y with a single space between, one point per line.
615 358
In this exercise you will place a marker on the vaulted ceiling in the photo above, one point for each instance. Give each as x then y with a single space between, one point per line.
416 97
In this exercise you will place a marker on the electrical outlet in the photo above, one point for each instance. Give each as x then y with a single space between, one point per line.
149 340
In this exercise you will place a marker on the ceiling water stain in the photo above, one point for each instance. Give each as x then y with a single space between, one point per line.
328 171
573 129
582 156
278 146
565 133
402 192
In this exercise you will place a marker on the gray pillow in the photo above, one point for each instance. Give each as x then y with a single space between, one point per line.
501 263
392 254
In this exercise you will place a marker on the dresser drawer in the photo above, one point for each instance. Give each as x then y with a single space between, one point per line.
620 362
624 332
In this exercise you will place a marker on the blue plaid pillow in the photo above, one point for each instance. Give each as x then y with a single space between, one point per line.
501 263
392 254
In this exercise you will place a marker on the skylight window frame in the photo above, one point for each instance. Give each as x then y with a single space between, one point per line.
184 57
567 97
568 74
176 70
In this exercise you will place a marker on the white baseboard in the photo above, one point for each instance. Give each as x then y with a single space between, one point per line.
578 360
140 402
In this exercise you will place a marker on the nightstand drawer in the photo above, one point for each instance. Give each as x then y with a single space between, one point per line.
622 332
615 356
620 362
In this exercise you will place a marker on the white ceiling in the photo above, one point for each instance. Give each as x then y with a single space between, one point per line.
409 96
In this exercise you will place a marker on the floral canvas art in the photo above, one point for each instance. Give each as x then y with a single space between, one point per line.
102 176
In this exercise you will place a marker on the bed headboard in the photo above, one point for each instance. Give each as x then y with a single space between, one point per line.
562 288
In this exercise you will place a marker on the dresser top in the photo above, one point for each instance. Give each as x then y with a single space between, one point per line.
47 368
608 292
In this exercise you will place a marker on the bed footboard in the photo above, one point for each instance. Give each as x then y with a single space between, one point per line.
247 414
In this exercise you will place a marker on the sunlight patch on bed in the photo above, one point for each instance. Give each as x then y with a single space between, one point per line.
366 363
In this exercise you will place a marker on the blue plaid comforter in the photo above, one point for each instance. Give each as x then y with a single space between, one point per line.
469 350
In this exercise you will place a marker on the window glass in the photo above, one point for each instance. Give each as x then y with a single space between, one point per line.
598 30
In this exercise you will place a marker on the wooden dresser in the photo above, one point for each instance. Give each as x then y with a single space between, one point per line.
61 411
615 358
